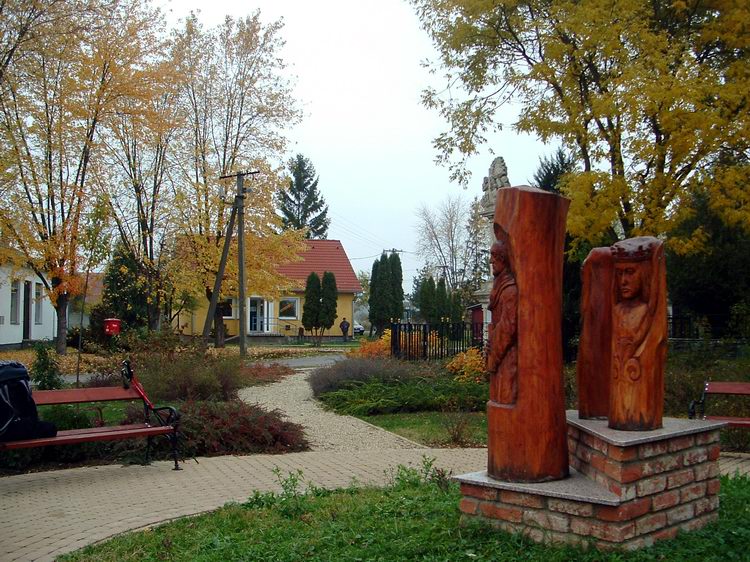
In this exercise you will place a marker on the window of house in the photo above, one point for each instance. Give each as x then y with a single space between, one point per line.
288 309
225 307
38 296
15 295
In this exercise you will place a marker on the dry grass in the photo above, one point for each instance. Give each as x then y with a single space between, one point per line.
259 353
89 363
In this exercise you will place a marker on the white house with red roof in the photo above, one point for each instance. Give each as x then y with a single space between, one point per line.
283 316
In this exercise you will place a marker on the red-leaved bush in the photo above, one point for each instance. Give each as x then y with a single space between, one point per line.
209 428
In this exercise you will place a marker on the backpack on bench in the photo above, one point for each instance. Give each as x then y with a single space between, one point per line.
18 415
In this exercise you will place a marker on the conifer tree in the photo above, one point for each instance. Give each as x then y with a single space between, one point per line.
442 301
301 205
396 286
125 294
312 307
383 280
427 300
328 302
374 300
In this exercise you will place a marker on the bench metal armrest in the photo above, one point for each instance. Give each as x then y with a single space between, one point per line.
172 415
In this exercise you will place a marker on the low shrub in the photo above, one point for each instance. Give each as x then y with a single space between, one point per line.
263 373
333 377
379 348
416 394
191 375
468 366
45 371
210 428
104 379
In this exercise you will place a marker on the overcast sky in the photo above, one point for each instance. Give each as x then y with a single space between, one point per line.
358 78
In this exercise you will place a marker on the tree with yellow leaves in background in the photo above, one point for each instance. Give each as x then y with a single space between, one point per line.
235 104
651 97
135 175
63 83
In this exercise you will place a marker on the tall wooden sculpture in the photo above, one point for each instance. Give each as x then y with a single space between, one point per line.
624 335
526 413
595 349
639 335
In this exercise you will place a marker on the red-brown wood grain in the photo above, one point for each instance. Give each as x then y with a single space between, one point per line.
639 335
593 367
527 440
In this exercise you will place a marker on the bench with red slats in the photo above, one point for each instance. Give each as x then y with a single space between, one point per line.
165 418
720 388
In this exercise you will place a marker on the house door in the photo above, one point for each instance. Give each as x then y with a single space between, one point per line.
26 310
257 315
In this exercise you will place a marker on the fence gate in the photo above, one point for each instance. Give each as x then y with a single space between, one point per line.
435 341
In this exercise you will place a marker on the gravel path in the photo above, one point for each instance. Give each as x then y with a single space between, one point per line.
325 431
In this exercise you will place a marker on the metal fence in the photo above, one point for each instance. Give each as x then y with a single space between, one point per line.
435 341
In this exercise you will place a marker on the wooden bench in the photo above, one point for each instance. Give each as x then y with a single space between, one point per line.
158 420
720 388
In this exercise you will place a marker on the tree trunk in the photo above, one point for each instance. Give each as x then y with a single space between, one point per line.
61 308
218 328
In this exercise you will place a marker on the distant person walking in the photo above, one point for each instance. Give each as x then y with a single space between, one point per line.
344 328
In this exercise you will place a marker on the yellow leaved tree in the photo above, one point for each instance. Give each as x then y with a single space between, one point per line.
63 82
234 104
651 97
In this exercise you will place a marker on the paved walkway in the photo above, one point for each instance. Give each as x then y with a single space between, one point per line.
325 430
47 514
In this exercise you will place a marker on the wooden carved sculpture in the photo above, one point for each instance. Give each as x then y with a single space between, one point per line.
527 433
595 349
639 335
502 359
624 333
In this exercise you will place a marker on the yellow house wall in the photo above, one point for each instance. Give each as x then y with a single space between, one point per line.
191 323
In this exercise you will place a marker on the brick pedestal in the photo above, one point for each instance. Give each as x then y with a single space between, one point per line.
627 489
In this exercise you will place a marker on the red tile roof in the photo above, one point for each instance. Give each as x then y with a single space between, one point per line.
320 256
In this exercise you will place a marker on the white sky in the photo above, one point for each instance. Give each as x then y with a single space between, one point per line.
359 80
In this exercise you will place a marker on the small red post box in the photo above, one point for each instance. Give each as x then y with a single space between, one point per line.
112 326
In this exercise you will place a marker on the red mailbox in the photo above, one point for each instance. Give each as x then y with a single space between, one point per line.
112 326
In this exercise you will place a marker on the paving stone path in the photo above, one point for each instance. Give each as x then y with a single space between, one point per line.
47 514
326 431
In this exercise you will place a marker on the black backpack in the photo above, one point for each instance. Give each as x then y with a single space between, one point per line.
18 415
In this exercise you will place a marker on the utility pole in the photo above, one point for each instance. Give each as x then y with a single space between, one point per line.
238 210
241 261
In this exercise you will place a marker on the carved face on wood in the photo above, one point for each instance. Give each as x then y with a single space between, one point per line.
498 258
629 279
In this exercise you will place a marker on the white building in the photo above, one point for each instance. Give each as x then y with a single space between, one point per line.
26 313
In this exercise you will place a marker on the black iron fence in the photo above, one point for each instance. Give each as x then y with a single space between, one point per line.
438 341
435 341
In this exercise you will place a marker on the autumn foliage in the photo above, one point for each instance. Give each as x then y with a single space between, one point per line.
469 366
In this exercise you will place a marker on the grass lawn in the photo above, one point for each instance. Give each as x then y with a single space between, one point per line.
436 429
416 518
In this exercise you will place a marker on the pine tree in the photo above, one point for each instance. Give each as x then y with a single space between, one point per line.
442 301
312 307
374 301
302 206
457 307
329 302
427 293
384 311
125 294
396 286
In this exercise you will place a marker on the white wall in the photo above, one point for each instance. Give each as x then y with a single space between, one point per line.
13 333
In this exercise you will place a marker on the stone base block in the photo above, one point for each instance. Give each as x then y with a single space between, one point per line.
626 489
